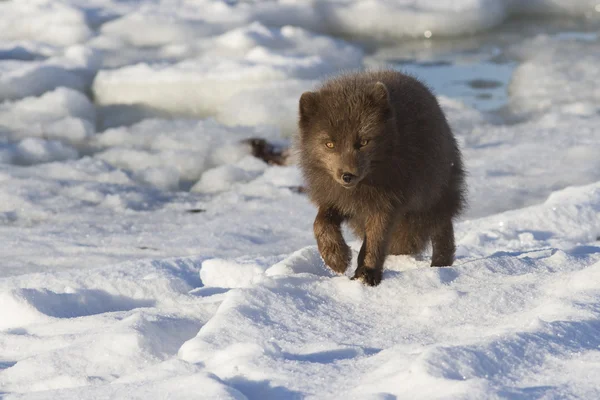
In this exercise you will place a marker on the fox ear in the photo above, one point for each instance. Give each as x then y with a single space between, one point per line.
309 102
379 94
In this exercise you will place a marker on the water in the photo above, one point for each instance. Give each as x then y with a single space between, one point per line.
481 85
477 69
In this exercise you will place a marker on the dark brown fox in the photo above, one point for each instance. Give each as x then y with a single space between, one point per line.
377 152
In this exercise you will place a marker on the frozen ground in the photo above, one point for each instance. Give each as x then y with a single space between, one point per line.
147 254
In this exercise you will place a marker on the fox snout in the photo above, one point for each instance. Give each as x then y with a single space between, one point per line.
349 170
348 177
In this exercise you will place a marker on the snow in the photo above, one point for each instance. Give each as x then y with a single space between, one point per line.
146 253
241 67
527 161
75 69
54 23
548 78
286 320
174 153
62 114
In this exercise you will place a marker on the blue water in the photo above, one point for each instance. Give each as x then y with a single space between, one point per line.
477 69
482 85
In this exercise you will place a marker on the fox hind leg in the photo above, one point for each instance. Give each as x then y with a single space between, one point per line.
442 240
409 237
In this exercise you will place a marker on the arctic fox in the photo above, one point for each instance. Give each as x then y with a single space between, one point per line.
377 153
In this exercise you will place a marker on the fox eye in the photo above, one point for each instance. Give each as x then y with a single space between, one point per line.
330 145
364 142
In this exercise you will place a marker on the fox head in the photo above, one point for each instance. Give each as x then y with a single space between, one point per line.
342 130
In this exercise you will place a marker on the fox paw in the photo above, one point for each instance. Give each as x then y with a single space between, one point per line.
442 261
369 276
336 257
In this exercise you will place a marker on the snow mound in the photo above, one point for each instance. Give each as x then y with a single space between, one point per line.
50 22
188 385
63 114
239 62
167 154
225 176
153 29
463 328
571 213
74 69
241 272
387 21
548 78
274 103
394 330
26 50
100 214
35 151
71 330
307 260
267 326
512 166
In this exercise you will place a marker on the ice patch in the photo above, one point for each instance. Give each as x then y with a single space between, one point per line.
274 103
50 22
170 154
74 69
384 21
225 176
548 78
208 84
508 164
34 151
63 114
153 29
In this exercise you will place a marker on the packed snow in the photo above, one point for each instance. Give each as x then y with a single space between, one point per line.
147 253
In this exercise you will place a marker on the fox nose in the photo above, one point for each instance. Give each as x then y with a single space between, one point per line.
348 177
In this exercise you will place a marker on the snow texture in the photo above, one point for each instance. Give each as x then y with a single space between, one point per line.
147 254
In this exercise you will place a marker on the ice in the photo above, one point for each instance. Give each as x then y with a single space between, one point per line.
168 154
248 62
386 21
225 176
63 114
34 151
50 22
75 69
556 7
548 78
261 107
144 29
26 50
528 160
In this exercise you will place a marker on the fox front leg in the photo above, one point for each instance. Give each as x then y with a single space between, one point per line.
331 243
373 251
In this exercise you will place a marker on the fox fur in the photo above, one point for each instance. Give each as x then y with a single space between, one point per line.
377 153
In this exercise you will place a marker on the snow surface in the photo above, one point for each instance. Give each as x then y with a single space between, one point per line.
147 254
